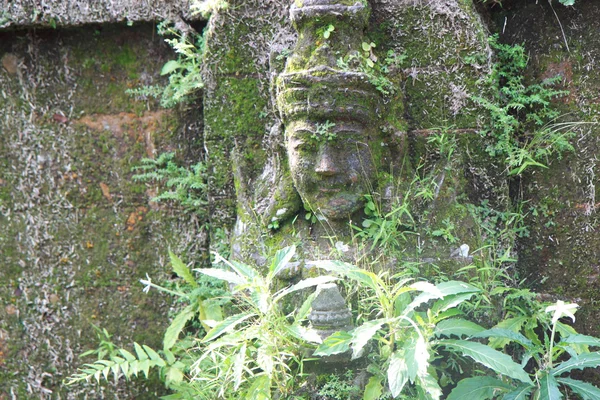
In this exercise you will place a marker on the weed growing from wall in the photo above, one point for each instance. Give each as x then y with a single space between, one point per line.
523 123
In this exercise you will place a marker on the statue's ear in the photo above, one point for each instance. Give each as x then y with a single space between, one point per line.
275 197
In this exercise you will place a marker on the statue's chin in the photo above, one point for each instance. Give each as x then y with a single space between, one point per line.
339 207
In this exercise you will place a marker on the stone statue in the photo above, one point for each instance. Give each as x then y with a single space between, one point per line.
330 109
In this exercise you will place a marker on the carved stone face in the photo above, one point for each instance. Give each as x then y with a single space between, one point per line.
331 172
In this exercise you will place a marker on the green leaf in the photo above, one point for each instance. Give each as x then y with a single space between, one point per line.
567 2
174 375
170 66
374 389
429 384
450 302
260 389
581 340
141 354
364 333
520 393
446 289
506 334
586 390
586 360
154 356
209 310
499 362
182 270
303 284
416 356
226 276
305 308
362 276
303 333
479 387
366 46
226 325
281 259
457 327
173 331
397 373
338 342
512 324
549 388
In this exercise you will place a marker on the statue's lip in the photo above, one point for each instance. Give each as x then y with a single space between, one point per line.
330 190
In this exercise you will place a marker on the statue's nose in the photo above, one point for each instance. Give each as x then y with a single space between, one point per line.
325 164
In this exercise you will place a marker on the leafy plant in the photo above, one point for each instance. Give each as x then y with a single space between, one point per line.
184 73
323 132
552 358
188 186
246 355
409 339
523 121
204 301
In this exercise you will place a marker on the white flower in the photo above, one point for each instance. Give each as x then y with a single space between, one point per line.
562 309
341 246
147 282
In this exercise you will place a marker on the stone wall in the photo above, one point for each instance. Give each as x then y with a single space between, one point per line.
76 232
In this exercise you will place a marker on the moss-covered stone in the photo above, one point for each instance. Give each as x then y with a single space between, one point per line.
76 232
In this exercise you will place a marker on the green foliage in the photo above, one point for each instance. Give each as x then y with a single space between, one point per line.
339 387
367 62
323 132
204 297
184 73
409 339
552 358
326 31
208 7
188 186
248 355
523 123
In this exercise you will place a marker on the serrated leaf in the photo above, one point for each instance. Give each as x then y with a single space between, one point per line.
174 375
226 276
586 360
499 362
177 325
520 393
141 354
397 373
429 384
507 335
457 327
307 334
450 302
304 284
260 389
336 343
374 389
362 334
305 308
549 388
154 356
226 325
586 390
479 388
416 356
209 310
170 66
182 270
578 339
446 289
239 362
362 276
281 259
512 324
